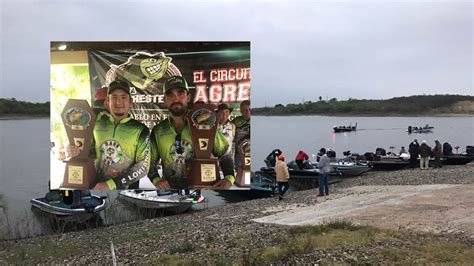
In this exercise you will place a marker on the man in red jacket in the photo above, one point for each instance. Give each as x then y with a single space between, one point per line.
300 158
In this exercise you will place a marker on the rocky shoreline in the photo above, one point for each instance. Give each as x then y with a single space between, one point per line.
226 234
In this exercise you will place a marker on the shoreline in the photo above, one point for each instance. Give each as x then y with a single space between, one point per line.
24 117
229 232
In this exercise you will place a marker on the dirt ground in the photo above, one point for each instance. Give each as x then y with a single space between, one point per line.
430 208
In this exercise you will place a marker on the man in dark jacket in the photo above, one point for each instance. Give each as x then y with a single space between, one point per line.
413 149
425 152
438 150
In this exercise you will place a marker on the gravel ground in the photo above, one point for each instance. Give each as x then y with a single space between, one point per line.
221 234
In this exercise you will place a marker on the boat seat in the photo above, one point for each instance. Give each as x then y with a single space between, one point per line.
53 195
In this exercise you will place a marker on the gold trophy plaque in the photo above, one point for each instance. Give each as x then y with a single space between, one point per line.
79 120
204 171
243 173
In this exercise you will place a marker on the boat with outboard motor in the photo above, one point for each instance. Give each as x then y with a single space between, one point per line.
166 200
69 203
349 128
261 186
425 129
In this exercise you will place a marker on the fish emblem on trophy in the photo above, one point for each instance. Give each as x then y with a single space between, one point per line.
79 120
204 170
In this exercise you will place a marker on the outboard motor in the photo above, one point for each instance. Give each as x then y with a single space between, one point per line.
470 150
270 161
447 149
331 154
380 151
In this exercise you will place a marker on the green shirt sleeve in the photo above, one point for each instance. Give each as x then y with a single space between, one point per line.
142 162
226 162
153 174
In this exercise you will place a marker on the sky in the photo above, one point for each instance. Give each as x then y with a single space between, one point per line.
300 50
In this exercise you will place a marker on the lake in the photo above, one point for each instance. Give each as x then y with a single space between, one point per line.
310 133
25 157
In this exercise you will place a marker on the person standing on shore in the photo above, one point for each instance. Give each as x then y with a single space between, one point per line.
282 176
413 149
324 167
228 128
438 150
425 152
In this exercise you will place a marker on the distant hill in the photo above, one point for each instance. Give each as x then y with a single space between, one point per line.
411 105
13 108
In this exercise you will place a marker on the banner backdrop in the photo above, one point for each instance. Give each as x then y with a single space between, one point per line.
218 76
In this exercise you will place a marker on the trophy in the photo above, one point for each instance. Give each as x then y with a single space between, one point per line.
243 173
79 119
204 171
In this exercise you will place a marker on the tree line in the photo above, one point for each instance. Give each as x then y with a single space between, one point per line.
13 107
410 105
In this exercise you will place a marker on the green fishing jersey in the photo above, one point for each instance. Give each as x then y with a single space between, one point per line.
175 159
122 151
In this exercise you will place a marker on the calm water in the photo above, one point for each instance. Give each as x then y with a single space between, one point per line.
310 133
25 153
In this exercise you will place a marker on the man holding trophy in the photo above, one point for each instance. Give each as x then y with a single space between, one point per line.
120 144
180 140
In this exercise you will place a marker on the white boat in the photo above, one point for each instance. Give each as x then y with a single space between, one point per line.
156 199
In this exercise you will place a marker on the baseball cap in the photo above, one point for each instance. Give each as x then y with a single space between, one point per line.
118 84
175 82
224 106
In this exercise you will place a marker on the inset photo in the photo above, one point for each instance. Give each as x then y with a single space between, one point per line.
150 115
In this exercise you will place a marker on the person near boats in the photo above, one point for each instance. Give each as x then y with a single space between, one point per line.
228 128
282 176
171 142
437 152
120 144
425 152
324 167
414 150
300 158
242 130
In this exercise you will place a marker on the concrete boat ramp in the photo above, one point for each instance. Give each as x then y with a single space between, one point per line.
434 208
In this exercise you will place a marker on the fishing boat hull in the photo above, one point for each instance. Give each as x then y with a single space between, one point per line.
389 165
90 205
171 202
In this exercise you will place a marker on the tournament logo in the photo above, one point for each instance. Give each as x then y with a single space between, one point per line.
111 152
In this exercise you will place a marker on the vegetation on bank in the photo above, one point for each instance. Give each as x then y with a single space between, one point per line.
12 108
337 241
411 105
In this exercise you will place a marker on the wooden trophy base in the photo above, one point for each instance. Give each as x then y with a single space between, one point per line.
243 178
79 174
204 173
